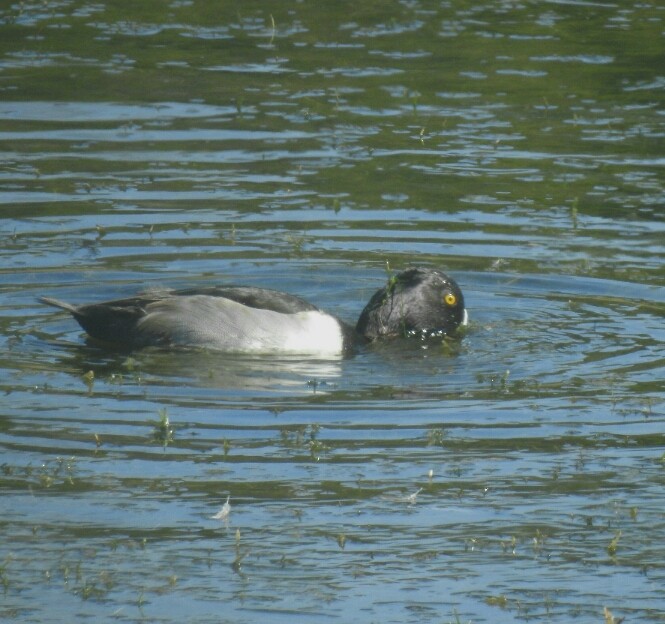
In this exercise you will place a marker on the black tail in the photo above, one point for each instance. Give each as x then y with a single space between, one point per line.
56 303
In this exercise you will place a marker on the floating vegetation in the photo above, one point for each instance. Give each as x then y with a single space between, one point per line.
272 30
435 436
451 345
457 618
611 619
392 278
89 380
574 211
502 381
59 471
304 437
317 448
236 564
140 601
612 546
336 147
4 576
538 541
414 96
90 589
163 432
297 242
497 601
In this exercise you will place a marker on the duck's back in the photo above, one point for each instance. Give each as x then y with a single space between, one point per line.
221 323
232 318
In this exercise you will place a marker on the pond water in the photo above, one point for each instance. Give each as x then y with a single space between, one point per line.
514 475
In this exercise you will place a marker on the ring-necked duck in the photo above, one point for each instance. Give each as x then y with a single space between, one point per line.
245 319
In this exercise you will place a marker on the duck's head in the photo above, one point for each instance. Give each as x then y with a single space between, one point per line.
415 301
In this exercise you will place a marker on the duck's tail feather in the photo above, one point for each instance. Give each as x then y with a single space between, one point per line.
56 303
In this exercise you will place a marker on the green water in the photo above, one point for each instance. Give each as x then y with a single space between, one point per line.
515 476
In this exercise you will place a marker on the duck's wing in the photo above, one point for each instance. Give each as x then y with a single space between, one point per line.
259 298
194 316
223 324
113 322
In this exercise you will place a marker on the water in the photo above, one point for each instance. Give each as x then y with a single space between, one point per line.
514 476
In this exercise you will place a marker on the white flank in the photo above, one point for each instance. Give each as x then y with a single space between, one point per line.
313 333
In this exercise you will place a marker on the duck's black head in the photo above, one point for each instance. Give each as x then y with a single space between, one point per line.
414 301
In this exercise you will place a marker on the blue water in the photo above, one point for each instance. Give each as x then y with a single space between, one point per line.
515 475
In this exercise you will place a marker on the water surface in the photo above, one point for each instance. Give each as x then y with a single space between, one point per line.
515 475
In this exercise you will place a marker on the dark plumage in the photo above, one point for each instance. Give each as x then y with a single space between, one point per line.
414 301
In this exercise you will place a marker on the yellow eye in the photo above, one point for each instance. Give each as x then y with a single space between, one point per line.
450 299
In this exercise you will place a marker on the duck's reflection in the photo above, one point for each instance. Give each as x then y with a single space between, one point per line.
254 372
196 367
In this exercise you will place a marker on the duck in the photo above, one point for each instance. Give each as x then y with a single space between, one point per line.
247 319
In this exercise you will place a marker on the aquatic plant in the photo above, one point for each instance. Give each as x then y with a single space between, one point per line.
510 546
497 601
609 618
57 471
612 546
272 29
163 432
89 380
415 98
297 242
457 618
392 278
4 576
304 437
236 564
436 436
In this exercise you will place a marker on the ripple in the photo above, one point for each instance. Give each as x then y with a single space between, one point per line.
316 150
590 59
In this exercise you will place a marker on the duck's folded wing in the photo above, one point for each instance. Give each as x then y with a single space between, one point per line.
260 298
223 324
